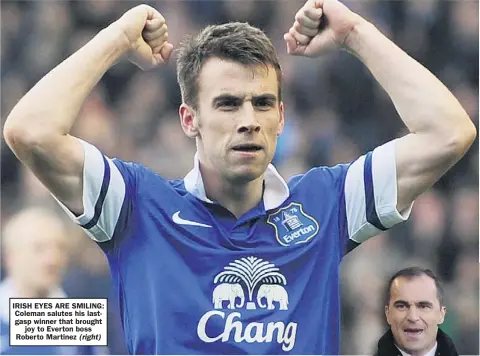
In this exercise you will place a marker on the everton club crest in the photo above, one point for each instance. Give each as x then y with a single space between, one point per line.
292 225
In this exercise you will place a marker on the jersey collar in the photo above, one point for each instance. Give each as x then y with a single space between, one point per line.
275 193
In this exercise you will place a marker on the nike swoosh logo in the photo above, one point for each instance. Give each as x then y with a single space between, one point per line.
178 220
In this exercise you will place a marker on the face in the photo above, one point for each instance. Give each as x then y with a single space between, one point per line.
39 257
238 119
414 313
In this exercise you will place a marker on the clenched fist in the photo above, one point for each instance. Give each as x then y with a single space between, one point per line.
320 26
146 33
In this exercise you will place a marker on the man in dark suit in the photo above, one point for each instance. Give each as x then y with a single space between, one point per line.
414 308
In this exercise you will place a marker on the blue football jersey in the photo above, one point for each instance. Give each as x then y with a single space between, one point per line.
193 279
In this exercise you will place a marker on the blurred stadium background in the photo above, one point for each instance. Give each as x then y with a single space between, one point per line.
335 112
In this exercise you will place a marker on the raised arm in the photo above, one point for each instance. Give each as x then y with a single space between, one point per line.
37 129
440 130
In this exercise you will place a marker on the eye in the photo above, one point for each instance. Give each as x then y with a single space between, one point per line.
401 306
228 104
264 103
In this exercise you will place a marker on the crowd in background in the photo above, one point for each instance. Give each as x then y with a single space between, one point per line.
335 112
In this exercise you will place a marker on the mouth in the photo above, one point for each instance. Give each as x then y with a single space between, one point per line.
413 332
247 147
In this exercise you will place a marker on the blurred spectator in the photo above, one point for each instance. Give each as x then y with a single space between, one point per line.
35 253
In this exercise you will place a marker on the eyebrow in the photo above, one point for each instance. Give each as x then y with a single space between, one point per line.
265 96
404 302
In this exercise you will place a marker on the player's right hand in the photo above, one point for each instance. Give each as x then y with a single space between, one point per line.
146 33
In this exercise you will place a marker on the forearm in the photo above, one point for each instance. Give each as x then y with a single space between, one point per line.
422 101
51 106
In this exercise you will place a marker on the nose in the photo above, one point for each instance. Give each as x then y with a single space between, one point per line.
248 120
413 314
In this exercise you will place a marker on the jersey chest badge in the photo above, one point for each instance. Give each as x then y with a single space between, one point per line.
292 225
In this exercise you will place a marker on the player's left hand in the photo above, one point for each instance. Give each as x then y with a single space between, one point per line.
320 26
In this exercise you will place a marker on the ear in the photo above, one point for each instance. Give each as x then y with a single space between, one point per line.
443 311
282 119
188 120
387 314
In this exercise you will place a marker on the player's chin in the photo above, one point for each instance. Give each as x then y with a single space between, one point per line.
247 172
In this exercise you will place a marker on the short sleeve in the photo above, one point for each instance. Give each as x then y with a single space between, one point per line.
107 195
370 193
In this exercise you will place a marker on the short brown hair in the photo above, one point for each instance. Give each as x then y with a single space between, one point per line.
235 41
412 272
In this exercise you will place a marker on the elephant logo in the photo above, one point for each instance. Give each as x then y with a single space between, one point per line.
272 293
258 287
242 278
230 292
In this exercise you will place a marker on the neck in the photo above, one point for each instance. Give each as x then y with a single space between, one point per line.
237 197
